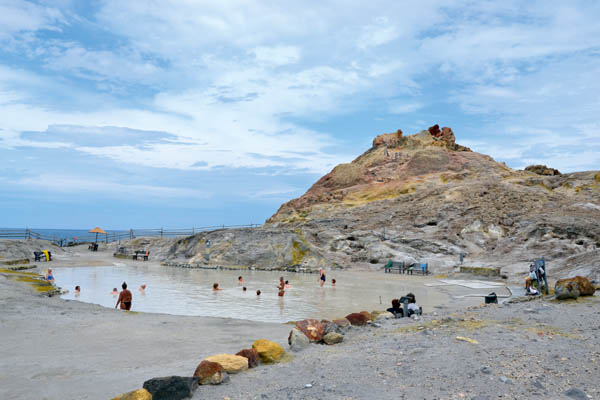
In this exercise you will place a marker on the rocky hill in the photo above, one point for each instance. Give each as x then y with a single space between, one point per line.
420 197
425 197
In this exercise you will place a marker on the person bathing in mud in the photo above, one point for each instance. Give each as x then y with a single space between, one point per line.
287 285
240 280
322 277
125 298
143 288
333 283
114 292
281 287
216 287
77 290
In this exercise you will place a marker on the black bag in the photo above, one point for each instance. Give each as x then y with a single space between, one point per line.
491 298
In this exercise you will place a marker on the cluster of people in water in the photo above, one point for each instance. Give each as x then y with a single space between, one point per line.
125 297
281 286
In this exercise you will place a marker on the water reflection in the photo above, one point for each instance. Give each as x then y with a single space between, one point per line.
189 292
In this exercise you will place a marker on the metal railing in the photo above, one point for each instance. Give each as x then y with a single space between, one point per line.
113 236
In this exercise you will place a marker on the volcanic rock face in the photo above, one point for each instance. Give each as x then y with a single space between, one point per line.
425 197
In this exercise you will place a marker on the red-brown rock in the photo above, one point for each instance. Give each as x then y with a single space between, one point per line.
357 319
435 131
251 355
312 328
367 315
209 372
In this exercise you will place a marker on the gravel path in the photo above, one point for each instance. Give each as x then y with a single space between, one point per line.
535 349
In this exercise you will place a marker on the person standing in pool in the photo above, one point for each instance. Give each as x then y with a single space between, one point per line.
240 281
322 277
125 298
281 287
49 276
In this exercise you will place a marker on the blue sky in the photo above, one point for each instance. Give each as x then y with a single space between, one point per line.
192 113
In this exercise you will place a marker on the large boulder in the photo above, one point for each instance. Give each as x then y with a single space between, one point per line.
357 319
140 394
333 338
210 373
572 288
312 328
171 387
231 363
269 352
251 355
388 139
298 340
343 325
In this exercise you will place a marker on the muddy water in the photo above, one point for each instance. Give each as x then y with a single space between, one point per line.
189 292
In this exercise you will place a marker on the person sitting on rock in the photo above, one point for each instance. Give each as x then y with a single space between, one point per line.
533 277
396 309
49 276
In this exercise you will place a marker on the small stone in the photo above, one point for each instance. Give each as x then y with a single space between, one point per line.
308 385
297 340
333 338
141 394
576 394
231 363
171 387
268 351
357 319
486 370
251 355
504 379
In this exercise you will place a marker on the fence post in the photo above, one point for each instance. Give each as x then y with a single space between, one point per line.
131 233
161 233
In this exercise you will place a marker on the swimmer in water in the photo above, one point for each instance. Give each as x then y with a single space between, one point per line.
216 287
281 287
77 290
240 280
287 284
143 288
333 283
114 292
322 277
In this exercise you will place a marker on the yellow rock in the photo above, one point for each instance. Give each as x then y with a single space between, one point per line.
140 394
269 352
466 339
230 363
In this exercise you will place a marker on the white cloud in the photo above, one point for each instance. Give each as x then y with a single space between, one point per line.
276 56
19 16
380 32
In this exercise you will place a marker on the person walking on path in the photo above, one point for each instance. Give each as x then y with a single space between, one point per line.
125 298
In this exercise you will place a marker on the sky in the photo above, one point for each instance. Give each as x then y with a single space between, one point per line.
180 114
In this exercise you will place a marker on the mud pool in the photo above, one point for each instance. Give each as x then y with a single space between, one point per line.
181 291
